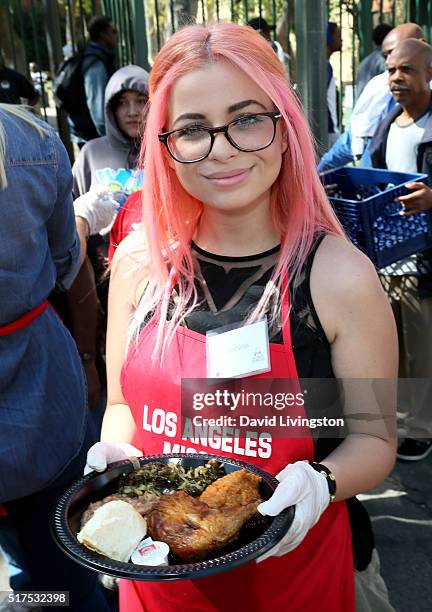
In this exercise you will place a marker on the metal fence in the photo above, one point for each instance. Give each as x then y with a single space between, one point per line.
26 29
155 20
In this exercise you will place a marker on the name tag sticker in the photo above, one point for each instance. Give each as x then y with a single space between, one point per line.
238 350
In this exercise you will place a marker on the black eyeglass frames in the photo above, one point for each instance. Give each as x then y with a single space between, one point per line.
252 132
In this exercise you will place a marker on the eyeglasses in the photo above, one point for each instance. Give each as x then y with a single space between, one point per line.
248 133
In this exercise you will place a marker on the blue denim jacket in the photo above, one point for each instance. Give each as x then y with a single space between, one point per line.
43 409
39 247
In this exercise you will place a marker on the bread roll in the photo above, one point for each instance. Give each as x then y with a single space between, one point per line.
114 530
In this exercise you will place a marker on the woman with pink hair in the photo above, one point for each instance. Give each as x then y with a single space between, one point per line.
239 233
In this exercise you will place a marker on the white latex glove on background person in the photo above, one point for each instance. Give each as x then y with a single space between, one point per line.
103 453
306 489
98 207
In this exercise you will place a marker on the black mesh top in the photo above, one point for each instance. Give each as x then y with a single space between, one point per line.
230 287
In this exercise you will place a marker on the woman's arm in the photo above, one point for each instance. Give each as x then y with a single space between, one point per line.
83 305
83 233
357 319
118 424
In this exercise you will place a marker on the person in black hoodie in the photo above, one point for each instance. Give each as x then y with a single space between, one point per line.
403 142
96 67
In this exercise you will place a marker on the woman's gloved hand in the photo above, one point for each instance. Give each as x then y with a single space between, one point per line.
98 207
103 453
307 489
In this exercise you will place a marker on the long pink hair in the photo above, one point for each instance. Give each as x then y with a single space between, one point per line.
299 206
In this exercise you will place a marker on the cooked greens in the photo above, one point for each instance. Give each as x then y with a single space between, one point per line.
160 478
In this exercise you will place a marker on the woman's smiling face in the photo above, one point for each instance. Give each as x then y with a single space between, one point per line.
228 179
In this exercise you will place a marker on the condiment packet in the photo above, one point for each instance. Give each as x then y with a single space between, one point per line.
150 552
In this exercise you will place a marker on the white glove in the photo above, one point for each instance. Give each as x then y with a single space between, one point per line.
299 485
98 207
102 453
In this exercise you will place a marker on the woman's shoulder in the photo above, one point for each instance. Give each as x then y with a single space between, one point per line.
342 265
132 251
344 285
129 267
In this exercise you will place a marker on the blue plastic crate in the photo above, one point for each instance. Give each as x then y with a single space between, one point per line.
364 201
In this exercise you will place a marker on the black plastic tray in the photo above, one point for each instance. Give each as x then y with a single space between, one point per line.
65 524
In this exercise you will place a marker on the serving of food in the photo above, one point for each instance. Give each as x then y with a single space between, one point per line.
176 516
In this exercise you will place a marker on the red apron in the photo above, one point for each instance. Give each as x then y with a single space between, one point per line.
317 575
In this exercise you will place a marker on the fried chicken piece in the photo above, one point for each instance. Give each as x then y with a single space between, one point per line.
142 504
236 489
194 529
